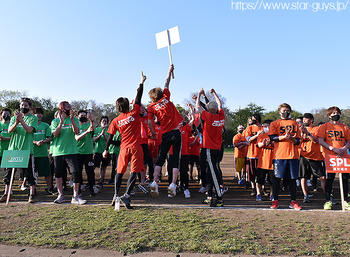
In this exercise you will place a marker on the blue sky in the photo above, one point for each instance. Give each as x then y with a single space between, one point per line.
82 50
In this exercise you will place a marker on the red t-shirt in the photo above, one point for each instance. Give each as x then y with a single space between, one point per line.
212 129
285 149
194 149
129 126
144 130
166 113
197 119
334 135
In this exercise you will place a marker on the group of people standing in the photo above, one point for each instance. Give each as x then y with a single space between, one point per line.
286 149
143 137
292 150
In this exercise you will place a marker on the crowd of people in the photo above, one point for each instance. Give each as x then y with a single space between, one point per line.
292 150
287 150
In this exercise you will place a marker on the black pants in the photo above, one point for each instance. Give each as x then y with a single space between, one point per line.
114 165
203 167
213 172
329 185
86 160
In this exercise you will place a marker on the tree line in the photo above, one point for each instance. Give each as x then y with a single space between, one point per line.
11 100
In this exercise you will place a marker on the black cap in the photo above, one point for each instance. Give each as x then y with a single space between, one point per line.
308 116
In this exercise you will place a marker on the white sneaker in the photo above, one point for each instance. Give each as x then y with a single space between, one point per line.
70 183
154 189
187 193
59 199
172 189
23 187
170 196
96 190
202 190
78 200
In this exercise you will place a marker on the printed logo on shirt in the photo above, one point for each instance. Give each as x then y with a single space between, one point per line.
290 128
39 132
66 126
125 121
336 135
218 123
161 104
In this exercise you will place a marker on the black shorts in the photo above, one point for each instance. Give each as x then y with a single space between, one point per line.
170 138
194 159
98 158
308 167
62 162
251 169
261 176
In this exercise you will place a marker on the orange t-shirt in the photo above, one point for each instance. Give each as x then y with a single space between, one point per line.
334 135
309 149
266 154
240 153
285 149
253 149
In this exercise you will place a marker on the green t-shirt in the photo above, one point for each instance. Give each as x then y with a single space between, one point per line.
100 145
64 143
42 132
112 148
86 144
4 132
20 139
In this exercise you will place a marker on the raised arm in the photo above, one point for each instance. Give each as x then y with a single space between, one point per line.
168 78
217 99
198 103
139 90
191 114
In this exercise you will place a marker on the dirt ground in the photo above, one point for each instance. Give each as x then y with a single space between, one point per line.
11 251
235 197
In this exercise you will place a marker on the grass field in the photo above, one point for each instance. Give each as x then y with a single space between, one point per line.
177 224
229 231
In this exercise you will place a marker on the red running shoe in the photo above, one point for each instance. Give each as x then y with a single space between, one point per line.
274 204
294 205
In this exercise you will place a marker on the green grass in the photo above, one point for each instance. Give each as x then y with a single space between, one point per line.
153 229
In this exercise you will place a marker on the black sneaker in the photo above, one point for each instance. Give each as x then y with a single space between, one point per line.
207 201
217 204
92 193
126 202
51 191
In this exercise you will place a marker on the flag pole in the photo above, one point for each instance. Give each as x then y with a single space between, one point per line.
341 191
169 51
